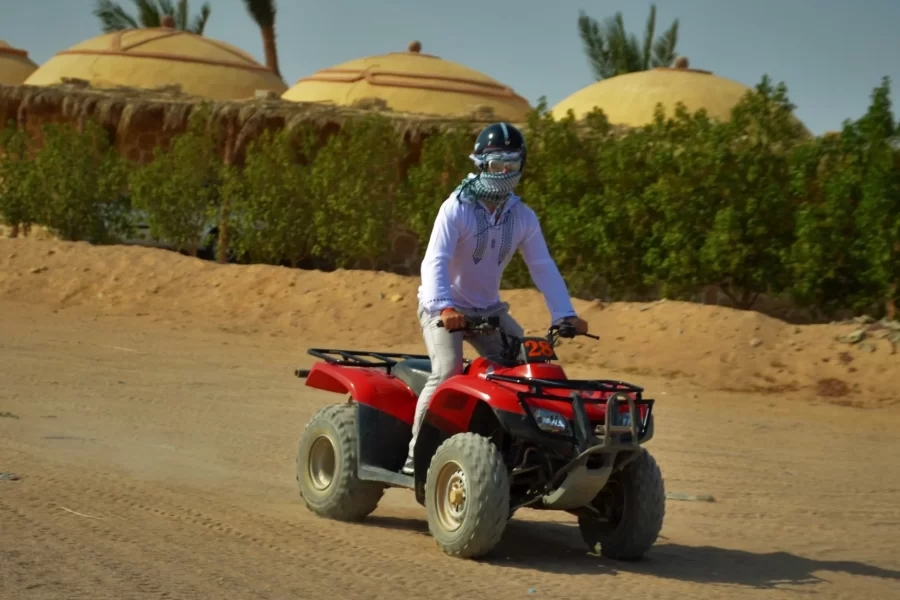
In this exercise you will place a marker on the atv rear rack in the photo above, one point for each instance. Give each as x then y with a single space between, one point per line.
362 358
359 358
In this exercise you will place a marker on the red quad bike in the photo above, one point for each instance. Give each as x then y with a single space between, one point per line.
510 431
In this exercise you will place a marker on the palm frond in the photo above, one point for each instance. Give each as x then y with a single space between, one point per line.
595 47
166 8
612 51
649 34
148 13
199 22
113 17
181 14
262 11
664 48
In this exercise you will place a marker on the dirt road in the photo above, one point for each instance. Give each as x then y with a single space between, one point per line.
157 461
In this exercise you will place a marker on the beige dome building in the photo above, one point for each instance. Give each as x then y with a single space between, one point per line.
412 82
158 57
15 66
631 99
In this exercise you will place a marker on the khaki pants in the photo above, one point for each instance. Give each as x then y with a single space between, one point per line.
446 351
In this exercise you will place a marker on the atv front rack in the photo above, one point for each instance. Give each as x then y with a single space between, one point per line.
583 385
363 359
609 437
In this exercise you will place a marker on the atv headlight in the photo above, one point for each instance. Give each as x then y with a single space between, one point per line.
549 421
625 419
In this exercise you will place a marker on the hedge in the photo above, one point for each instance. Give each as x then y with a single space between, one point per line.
753 205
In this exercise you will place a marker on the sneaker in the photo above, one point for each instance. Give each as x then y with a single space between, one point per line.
409 467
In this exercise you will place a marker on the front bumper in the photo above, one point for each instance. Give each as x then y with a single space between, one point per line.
593 452
584 435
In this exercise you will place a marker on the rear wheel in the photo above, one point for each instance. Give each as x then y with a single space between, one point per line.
632 506
327 467
467 496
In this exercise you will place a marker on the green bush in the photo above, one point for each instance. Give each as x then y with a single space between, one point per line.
15 170
270 199
353 185
74 183
750 205
846 252
442 166
178 192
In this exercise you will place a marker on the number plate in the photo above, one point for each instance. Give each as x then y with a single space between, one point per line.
537 350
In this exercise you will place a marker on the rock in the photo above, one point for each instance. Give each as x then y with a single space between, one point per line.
863 320
37 270
756 342
9 476
8 415
867 347
853 337
396 298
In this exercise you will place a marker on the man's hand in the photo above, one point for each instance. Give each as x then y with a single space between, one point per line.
453 320
580 324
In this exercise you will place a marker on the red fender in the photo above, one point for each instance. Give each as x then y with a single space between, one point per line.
367 386
455 400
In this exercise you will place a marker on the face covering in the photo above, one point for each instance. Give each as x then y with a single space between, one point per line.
491 187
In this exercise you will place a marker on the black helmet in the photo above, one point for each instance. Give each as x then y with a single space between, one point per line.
501 137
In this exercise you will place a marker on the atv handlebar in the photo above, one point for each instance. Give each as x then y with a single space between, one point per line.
567 330
477 324
487 324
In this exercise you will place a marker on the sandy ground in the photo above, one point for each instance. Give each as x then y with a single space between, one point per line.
716 347
155 443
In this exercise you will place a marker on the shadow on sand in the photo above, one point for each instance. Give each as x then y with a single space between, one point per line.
558 548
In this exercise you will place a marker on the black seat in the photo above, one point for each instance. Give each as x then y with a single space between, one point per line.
414 372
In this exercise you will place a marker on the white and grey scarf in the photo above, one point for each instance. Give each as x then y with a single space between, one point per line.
490 187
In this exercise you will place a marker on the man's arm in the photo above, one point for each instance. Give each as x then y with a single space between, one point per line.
544 272
435 265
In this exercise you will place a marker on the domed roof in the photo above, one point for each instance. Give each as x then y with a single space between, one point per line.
631 99
412 82
15 66
161 56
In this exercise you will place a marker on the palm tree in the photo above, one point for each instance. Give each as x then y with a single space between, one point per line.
611 51
150 14
263 12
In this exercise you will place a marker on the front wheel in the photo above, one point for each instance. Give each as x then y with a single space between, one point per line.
631 506
327 467
467 496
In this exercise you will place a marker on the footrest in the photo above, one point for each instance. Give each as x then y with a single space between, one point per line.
370 473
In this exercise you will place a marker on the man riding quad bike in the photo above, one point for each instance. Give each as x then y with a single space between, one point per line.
479 440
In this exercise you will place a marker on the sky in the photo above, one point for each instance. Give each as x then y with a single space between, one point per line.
831 54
